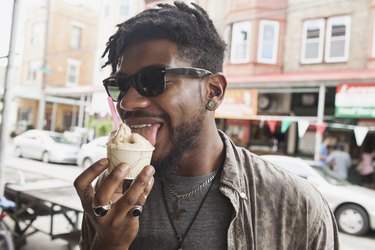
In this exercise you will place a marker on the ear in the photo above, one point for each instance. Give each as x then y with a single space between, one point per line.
216 86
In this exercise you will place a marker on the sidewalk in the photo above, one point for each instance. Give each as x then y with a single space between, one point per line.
41 241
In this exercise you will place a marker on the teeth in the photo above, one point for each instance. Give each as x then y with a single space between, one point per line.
141 126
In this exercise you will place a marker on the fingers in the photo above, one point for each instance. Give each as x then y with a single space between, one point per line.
83 182
112 184
138 191
143 197
109 189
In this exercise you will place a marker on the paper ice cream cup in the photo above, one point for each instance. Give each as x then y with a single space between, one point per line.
137 159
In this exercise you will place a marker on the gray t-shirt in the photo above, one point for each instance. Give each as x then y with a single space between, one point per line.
341 161
209 229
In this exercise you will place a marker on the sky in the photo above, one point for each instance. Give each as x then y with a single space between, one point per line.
5 24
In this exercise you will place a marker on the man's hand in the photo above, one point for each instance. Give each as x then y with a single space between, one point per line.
117 229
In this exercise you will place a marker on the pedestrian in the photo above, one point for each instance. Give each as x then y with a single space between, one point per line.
339 161
324 150
201 191
365 167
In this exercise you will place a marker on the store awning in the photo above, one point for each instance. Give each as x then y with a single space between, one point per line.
76 91
301 79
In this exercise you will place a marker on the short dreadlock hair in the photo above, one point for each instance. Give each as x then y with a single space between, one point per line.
191 29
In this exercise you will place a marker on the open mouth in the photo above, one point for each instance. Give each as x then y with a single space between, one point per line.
147 130
140 126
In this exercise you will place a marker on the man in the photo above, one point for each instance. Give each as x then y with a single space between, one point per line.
339 161
201 192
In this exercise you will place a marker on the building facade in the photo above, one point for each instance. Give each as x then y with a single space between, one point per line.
58 61
296 56
61 73
291 66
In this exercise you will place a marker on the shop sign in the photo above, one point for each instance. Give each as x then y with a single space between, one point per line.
355 100
238 104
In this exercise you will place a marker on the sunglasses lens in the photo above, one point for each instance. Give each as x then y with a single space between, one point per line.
150 82
114 92
115 87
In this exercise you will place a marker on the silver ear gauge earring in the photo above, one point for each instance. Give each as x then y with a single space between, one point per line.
210 104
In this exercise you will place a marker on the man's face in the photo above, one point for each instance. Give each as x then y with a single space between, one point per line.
171 121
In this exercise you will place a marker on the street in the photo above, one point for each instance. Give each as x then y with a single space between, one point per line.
16 166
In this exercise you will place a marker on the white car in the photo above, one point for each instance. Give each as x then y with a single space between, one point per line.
353 206
92 152
47 146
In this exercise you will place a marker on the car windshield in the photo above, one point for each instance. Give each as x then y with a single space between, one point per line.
60 139
330 177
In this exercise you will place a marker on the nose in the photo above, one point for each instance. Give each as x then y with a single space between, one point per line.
132 100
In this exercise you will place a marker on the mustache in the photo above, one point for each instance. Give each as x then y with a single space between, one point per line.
141 113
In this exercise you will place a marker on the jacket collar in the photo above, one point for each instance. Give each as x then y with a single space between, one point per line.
232 175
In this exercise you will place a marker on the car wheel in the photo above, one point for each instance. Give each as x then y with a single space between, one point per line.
17 152
352 219
87 162
45 157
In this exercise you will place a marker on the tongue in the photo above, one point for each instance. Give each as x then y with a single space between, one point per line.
150 133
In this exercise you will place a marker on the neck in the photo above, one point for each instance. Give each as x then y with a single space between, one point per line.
206 157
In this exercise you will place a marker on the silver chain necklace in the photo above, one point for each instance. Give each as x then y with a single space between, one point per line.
176 211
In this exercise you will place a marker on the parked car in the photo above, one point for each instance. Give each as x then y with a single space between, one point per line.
47 146
353 206
92 151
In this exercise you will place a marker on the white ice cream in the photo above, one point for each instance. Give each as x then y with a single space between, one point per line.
131 148
124 138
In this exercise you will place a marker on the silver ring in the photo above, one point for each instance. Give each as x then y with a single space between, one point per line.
136 211
100 211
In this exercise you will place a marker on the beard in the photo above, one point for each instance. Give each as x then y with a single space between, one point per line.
186 136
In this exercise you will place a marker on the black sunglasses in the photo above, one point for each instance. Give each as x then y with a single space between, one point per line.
150 81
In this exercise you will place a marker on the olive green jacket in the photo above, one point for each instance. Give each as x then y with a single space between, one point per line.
273 209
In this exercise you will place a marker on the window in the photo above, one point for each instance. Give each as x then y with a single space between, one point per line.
240 46
335 45
268 41
312 41
33 69
75 41
37 33
337 39
124 7
24 117
73 72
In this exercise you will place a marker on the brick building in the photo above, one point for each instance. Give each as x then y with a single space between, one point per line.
61 74
58 61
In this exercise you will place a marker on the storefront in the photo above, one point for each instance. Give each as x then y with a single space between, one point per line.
295 111
356 101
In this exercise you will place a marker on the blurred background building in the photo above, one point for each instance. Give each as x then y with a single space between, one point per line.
296 69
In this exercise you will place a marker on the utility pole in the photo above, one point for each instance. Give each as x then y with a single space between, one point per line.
320 115
42 101
8 94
